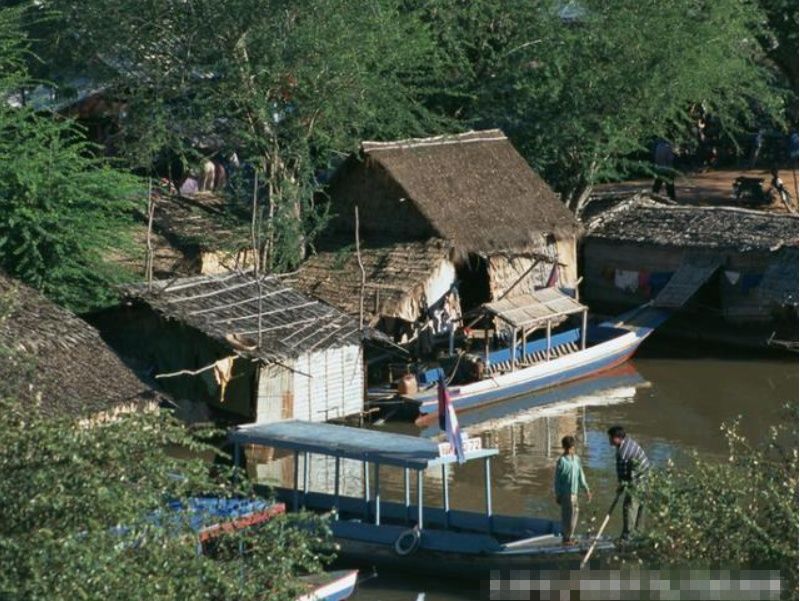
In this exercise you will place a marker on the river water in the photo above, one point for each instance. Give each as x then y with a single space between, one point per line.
672 400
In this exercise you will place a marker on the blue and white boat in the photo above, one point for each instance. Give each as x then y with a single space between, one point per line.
211 517
525 366
336 585
408 535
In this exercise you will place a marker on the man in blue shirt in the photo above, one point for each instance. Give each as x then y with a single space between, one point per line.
632 465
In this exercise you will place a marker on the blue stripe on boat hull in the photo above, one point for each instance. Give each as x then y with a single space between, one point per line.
603 363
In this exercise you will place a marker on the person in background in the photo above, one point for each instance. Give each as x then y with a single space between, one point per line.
663 159
779 188
632 465
569 480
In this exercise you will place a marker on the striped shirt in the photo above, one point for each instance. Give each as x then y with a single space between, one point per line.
632 462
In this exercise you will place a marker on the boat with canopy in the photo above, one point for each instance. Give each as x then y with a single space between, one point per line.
523 365
408 535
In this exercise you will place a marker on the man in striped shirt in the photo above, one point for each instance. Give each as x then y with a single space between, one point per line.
632 465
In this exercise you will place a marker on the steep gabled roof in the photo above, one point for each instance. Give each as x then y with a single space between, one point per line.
396 276
226 307
474 189
49 352
649 220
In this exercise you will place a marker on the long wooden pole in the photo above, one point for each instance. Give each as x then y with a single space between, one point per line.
151 209
363 276
600 531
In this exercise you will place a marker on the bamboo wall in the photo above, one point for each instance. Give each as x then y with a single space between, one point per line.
504 270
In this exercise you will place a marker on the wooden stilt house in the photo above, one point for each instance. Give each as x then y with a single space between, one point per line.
506 226
253 347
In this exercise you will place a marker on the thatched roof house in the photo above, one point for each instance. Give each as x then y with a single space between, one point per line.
648 219
633 248
473 190
402 281
49 353
256 347
198 235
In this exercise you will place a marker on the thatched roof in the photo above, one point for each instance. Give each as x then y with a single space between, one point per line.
648 220
395 278
474 190
226 308
547 304
48 351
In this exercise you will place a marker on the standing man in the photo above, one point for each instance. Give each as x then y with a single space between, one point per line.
569 481
632 465
663 159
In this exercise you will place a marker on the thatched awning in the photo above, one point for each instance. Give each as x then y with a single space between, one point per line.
234 307
548 304
643 219
473 189
396 278
51 353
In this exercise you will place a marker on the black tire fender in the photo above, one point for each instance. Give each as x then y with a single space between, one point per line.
408 542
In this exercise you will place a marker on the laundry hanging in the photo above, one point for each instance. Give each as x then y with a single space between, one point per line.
223 370
626 280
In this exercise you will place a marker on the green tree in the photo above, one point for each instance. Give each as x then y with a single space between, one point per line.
289 85
582 87
76 507
62 211
742 512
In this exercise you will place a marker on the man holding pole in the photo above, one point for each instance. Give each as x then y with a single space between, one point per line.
632 465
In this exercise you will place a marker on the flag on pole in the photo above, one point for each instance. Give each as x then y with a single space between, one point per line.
449 422
552 281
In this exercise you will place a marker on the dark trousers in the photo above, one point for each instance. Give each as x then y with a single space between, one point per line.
632 516
661 179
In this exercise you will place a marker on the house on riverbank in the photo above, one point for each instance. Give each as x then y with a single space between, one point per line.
633 248
256 349
474 191
54 358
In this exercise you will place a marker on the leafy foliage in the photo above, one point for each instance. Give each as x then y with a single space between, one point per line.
288 85
76 502
582 87
61 209
741 512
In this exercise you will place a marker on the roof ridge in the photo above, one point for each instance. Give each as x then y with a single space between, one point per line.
484 135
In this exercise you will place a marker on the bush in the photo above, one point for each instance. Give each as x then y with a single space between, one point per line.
66 487
741 512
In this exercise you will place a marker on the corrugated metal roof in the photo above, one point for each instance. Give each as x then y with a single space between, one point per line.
536 307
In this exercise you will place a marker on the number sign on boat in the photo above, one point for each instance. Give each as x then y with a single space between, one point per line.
471 445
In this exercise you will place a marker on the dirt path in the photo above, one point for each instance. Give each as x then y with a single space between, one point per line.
715 187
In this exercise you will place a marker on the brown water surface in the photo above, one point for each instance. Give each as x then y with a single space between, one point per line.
677 409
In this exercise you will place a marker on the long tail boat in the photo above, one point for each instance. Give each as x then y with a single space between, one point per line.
408 535
526 366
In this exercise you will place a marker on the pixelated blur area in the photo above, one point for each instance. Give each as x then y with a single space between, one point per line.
633 584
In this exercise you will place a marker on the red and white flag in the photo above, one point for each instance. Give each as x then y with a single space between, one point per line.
552 281
449 422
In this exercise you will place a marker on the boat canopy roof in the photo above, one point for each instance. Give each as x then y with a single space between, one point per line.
373 446
535 307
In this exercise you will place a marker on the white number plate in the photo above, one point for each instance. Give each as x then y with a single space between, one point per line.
470 445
